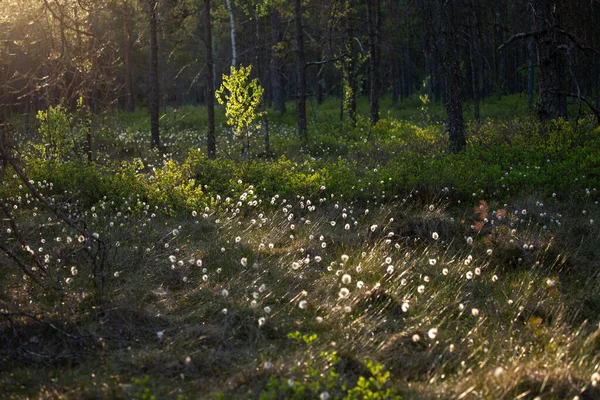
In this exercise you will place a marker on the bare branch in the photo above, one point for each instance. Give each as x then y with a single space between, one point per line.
587 102
518 36
578 43
21 265
342 57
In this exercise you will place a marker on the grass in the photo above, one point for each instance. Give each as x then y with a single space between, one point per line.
311 277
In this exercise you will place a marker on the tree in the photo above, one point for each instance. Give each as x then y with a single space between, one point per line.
128 56
242 98
547 38
211 146
232 33
447 46
349 63
474 34
374 28
301 73
277 78
154 95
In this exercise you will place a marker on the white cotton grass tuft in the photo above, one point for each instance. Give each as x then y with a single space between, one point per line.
346 279
432 333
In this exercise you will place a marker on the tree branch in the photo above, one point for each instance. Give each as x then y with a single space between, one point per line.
308 64
577 43
21 265
518 36
586 101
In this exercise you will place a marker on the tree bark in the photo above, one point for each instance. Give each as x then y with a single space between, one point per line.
373 27
232 31
265 121
211 145
301 72
474 79
453 75
349 93
397 88
551 66
407 58
501 56
154 100
129 40
474 60
531 72
277 78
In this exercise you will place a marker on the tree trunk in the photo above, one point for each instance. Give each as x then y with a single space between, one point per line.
349 94
407 58
154 100
474 79
232 31
211 145
265 122
551 69
500 54
129 40
531 72
277 78
320 86
597 89
474 60
301 72
396 56
373 27
453 76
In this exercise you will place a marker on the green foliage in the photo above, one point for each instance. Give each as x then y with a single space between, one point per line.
55 131
173 185
241 97
315 376
282 177
144 392
375 386
62 133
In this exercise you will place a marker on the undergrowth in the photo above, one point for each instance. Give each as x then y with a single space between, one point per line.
375 264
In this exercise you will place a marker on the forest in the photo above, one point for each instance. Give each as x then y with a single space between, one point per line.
299 199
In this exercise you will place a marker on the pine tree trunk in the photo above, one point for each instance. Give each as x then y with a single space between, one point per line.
373 27
552 101
396 56
211 145
154 100
350 65
129 40
500 54
277 78
453 76
407 58
265 122
301 72
531 72
474 79
474 59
